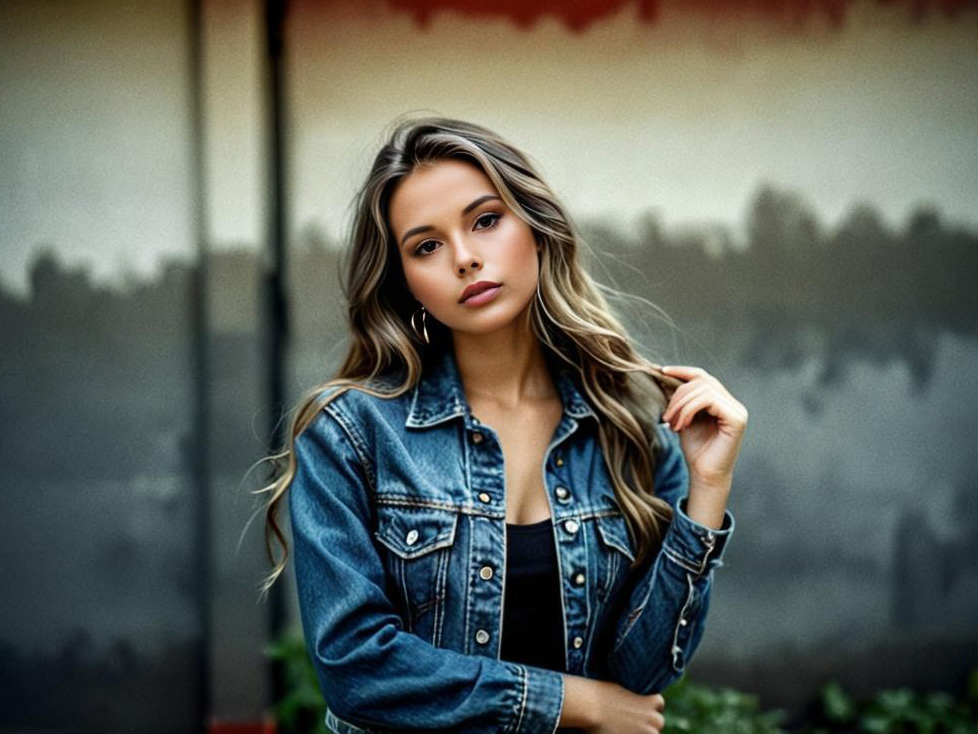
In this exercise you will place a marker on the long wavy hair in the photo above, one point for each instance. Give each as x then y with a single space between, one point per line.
569 315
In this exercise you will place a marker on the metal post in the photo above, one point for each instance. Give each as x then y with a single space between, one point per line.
276 311
200 328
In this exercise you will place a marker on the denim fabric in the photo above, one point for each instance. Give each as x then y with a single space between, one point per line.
398 522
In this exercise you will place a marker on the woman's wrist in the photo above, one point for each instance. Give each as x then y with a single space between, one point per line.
581 701
707 504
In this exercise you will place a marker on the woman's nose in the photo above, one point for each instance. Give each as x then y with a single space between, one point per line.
465 258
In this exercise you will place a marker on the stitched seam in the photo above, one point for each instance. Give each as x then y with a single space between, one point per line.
404 594
637 612
678 559
560 707
414 501
468 595
357 443
405 500
440 595
524 680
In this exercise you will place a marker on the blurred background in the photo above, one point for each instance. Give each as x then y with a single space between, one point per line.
795 184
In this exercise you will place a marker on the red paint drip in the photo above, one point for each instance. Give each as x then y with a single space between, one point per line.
577 15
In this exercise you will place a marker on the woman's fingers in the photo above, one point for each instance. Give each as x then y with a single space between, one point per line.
684 371
681 399
692 374
702 391
658 701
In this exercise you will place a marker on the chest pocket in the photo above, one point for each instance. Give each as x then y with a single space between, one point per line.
615 556
419 541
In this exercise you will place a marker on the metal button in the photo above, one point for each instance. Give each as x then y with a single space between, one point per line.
482 637
562 492
560 461
676 649
486 572
412 537
579 579
477 437
683 622
484 496
571 526
578 641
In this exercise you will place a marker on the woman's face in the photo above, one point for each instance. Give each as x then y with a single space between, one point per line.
452 229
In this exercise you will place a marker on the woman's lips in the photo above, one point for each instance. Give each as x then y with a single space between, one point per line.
482 297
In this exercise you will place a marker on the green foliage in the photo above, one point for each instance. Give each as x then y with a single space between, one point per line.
701 710
302 710
897 711
694 709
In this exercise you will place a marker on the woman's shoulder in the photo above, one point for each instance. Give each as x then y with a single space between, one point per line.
382 398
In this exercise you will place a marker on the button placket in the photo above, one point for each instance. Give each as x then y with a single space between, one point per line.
710 541
683 622
572 526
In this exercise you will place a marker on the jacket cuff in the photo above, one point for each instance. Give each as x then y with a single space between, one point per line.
541 700
694 546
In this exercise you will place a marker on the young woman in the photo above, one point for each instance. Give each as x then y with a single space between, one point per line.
505 519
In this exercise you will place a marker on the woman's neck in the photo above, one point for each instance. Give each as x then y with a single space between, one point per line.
503 369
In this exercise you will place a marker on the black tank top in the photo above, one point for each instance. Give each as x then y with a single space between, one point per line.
533 628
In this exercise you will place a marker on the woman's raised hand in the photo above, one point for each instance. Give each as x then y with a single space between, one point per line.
710 423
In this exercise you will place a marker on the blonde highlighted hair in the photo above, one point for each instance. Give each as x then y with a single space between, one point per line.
569 315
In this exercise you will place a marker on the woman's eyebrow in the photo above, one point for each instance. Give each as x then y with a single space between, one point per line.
466 210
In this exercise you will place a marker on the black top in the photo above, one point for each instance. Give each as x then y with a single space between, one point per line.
533 628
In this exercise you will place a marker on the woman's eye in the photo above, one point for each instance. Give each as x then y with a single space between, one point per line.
488 220
492 219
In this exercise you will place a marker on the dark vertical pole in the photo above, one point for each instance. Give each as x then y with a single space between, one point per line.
276 311
200 451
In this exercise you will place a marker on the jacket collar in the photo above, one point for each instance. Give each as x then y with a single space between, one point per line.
439 394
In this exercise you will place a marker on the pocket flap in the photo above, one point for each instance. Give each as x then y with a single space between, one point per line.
613 531
414 531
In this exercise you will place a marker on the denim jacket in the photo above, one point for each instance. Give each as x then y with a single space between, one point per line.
398 520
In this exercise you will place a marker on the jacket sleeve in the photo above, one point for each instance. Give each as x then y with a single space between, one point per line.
371 671
664 619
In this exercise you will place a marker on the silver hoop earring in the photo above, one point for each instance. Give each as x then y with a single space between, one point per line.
424 325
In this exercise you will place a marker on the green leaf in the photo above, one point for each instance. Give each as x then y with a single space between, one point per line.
838 707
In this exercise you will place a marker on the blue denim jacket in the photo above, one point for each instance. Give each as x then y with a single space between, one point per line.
398 521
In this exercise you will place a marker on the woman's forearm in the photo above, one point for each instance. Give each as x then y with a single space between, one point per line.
580 702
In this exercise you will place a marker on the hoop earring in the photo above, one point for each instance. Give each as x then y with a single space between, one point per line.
424 325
